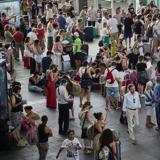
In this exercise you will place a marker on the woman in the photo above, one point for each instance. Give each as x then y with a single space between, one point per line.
58 49
41 35
52 77
27 52
149 103
106 146
105 34
7 35
85 121
99 127
16 106
80 29
142 76
85 82
37 53
31 116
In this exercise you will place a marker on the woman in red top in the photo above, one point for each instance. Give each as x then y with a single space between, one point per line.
52 76
41 35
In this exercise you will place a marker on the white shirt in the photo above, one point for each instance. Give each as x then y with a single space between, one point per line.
62 94
104 20
71 149
32 36
104 32
112 22
115 74
131 101
69 21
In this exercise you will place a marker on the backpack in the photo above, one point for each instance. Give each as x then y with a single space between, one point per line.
86 80
109 77
149 33
91 132
137 27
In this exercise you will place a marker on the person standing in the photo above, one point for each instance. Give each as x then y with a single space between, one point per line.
112 87
52 76
72 145
92 16
62 21
18 38
63 100
44 132
50 34
131 106
157 104
128 33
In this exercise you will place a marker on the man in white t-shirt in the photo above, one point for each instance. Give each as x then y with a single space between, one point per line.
72 145
113 24
112 87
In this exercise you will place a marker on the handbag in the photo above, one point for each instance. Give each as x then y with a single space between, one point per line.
84 129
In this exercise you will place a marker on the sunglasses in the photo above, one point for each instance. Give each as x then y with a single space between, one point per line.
134 100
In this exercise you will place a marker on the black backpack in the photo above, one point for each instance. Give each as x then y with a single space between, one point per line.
149 33
86 80
137 27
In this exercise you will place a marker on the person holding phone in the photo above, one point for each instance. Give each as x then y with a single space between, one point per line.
72 145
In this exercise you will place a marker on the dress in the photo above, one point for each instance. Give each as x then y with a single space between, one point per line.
51 93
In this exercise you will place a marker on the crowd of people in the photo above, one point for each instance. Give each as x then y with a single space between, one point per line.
126 70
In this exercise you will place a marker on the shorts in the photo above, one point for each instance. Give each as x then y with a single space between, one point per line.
112 91
128 34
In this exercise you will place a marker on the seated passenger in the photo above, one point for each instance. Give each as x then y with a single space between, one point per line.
36 83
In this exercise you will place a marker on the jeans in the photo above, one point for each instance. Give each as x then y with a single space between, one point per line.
34 88
158 115
63 117
43 149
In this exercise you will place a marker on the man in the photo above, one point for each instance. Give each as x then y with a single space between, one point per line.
139 26
44 132
128 33
63 100
46 62
18 38
112 88
131 106
50 34
157 104
77 51
62 21
92 16
113 23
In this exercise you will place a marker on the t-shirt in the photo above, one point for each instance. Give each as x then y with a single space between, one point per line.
141 67
138 27
115 74
18 37
113 25
133 59
32 36
77 45
72 152
128 22
61 94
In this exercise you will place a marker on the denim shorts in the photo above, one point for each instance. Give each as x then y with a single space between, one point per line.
112 91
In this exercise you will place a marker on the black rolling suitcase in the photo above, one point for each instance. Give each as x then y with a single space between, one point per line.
88 34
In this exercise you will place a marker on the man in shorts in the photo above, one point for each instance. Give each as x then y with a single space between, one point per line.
112 88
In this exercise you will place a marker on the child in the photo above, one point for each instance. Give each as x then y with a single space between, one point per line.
149 102
72 145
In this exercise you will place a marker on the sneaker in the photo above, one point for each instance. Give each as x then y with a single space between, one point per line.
157 129
133 141
142 96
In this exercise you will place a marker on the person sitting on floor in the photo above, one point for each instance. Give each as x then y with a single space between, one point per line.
36 83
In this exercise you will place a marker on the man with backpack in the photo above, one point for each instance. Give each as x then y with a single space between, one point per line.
112 87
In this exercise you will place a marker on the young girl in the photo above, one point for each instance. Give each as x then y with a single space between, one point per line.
72 145
149 102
